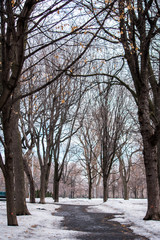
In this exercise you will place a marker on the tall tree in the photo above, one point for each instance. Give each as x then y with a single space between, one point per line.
135 24
67 127
21 21
13 32
110 123
89 143
142 18
125 164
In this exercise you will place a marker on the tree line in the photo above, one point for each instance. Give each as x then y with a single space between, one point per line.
71 68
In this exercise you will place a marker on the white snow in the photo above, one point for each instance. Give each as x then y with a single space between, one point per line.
132 213
43 224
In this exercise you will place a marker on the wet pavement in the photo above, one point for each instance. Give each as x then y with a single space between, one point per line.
96 226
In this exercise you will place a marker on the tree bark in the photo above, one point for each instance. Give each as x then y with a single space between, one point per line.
105 188
42 185
158 156
124 180
21 207
56 190
31 181
146 91
14 164
56 183
45 171
90 189
125 190
11 210
150 156
150 160
9 175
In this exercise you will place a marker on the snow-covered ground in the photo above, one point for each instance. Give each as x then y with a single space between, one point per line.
43 224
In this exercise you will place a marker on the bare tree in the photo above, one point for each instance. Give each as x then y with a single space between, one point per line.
113 182
56 113
71 181
137 182
29 174
20 22
135 25
125 165
89 143
65 131
144 20
110 123
28 142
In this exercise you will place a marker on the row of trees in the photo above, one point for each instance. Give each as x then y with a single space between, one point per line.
127 182
54 59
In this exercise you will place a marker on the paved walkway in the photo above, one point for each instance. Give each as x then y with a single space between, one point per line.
95 225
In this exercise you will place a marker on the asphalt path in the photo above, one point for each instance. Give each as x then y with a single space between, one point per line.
96 226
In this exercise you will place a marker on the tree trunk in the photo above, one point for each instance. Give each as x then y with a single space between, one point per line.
158 159
11 210
135 192
125 190
72 193
105 188
9 176
56 183
56 190
124 177
21 207
31 181
150 153
42 185
72 187
150 160
113 191
90 189
142 194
